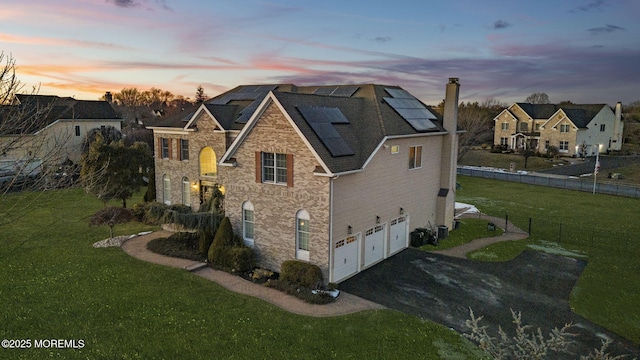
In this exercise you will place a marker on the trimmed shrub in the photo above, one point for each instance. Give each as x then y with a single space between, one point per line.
222 250
240 258
111 214
181 245
302 273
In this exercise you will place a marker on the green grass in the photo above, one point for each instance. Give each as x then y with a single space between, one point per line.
479 157
470 229
600 228
55 285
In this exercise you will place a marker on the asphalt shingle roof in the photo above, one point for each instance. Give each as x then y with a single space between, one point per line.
370 117
35 112
579 114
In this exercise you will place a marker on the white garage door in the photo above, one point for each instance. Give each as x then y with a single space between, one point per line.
373 245
345 258
397 235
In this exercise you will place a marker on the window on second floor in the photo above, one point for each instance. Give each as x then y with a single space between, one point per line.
524 126
184 149
415 157
564 128
274 168
164 148
602 126
505 126
537 127
77 128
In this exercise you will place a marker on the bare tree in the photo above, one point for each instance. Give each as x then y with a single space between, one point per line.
538 98
28 161
476 119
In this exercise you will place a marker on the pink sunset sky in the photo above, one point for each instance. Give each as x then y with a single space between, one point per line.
581 51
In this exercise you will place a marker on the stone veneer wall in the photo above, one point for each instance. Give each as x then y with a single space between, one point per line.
276 205
177 169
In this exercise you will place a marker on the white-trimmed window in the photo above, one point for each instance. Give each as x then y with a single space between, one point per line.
186 191
415 157
184 149
564 128
302 235
504 141
505 126
546 144
248 223
564 146
274 168
166 189
165 147
524 126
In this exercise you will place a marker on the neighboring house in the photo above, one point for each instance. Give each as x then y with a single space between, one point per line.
50 128
334 175
576 130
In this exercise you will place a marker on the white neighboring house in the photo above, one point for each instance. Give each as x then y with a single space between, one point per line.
49 129
575 129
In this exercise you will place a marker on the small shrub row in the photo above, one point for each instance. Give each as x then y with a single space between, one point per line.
302 273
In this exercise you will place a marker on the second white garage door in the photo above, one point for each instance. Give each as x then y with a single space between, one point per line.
373 245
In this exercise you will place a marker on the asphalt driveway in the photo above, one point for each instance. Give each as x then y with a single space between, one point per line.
442 289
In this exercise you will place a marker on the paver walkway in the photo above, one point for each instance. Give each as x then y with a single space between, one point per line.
344 304
511 233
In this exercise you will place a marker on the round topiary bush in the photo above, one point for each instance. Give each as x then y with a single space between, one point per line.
302 273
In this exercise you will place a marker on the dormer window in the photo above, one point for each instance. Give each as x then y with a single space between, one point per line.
564 128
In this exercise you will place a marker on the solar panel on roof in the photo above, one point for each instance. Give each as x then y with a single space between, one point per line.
324 90
345 91
411 110
322 120
338 91
399 93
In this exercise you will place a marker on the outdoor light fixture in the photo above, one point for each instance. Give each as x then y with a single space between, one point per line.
194 185
401 211
377 219
349 229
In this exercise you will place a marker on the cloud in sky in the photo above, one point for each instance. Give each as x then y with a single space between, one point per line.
134 4
605 29
594 5
501 24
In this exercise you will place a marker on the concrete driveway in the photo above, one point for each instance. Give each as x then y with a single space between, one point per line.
442 289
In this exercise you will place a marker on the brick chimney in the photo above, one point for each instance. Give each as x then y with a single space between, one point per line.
108 97
449 161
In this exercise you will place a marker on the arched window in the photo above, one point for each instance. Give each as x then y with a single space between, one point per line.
302 235
208 162
247 223
186 191
166 189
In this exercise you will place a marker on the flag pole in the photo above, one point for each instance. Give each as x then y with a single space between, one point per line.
596 169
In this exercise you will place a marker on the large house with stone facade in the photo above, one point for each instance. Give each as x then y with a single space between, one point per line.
574 129
337 176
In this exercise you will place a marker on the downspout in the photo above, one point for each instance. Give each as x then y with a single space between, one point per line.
329 262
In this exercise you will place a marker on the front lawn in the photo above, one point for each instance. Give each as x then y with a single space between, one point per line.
55 285
602 229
